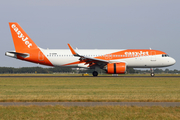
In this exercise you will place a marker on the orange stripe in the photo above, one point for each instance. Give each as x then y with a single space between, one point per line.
73 63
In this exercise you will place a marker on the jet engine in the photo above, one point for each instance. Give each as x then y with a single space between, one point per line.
116 68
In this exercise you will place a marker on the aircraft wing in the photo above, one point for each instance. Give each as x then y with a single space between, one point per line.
89 60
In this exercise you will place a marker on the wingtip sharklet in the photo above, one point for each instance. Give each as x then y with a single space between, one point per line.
72 50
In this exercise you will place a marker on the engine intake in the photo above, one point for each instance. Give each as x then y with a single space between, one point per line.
116 68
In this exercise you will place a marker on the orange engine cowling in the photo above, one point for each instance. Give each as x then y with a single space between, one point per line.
116 68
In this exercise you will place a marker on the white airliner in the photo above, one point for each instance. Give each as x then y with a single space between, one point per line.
113 61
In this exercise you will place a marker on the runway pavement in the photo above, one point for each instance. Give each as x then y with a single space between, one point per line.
82 76
163 104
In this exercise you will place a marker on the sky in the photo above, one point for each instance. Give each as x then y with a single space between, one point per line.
92 24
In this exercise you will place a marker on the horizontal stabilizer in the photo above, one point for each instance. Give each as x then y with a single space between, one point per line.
14 54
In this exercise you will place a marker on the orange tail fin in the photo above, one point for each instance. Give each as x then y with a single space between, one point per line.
25 48
21 40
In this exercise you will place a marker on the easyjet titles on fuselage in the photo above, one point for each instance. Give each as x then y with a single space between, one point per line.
137 53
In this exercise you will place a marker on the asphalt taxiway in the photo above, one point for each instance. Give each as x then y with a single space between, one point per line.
86 76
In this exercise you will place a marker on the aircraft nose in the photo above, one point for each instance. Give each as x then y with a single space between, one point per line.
172 61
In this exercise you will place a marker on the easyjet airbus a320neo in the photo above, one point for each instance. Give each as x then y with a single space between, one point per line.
113 61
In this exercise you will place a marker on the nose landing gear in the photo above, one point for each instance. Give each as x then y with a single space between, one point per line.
152 72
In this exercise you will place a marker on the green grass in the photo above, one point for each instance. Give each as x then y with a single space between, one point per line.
89 89
89 113
86 89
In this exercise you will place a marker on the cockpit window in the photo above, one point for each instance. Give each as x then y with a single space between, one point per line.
165 55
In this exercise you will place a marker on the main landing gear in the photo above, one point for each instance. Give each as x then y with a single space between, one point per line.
95 73
152 72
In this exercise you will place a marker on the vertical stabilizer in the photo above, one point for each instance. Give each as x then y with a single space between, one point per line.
22 41
25 48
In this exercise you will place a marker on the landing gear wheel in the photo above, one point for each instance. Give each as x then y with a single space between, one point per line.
152 74
95 73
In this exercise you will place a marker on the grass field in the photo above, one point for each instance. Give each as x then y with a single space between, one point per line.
90 89
89 113
114 89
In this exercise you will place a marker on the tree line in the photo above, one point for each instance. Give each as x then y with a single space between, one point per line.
11 70
156 70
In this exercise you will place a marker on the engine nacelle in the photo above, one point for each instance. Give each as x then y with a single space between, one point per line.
116 68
